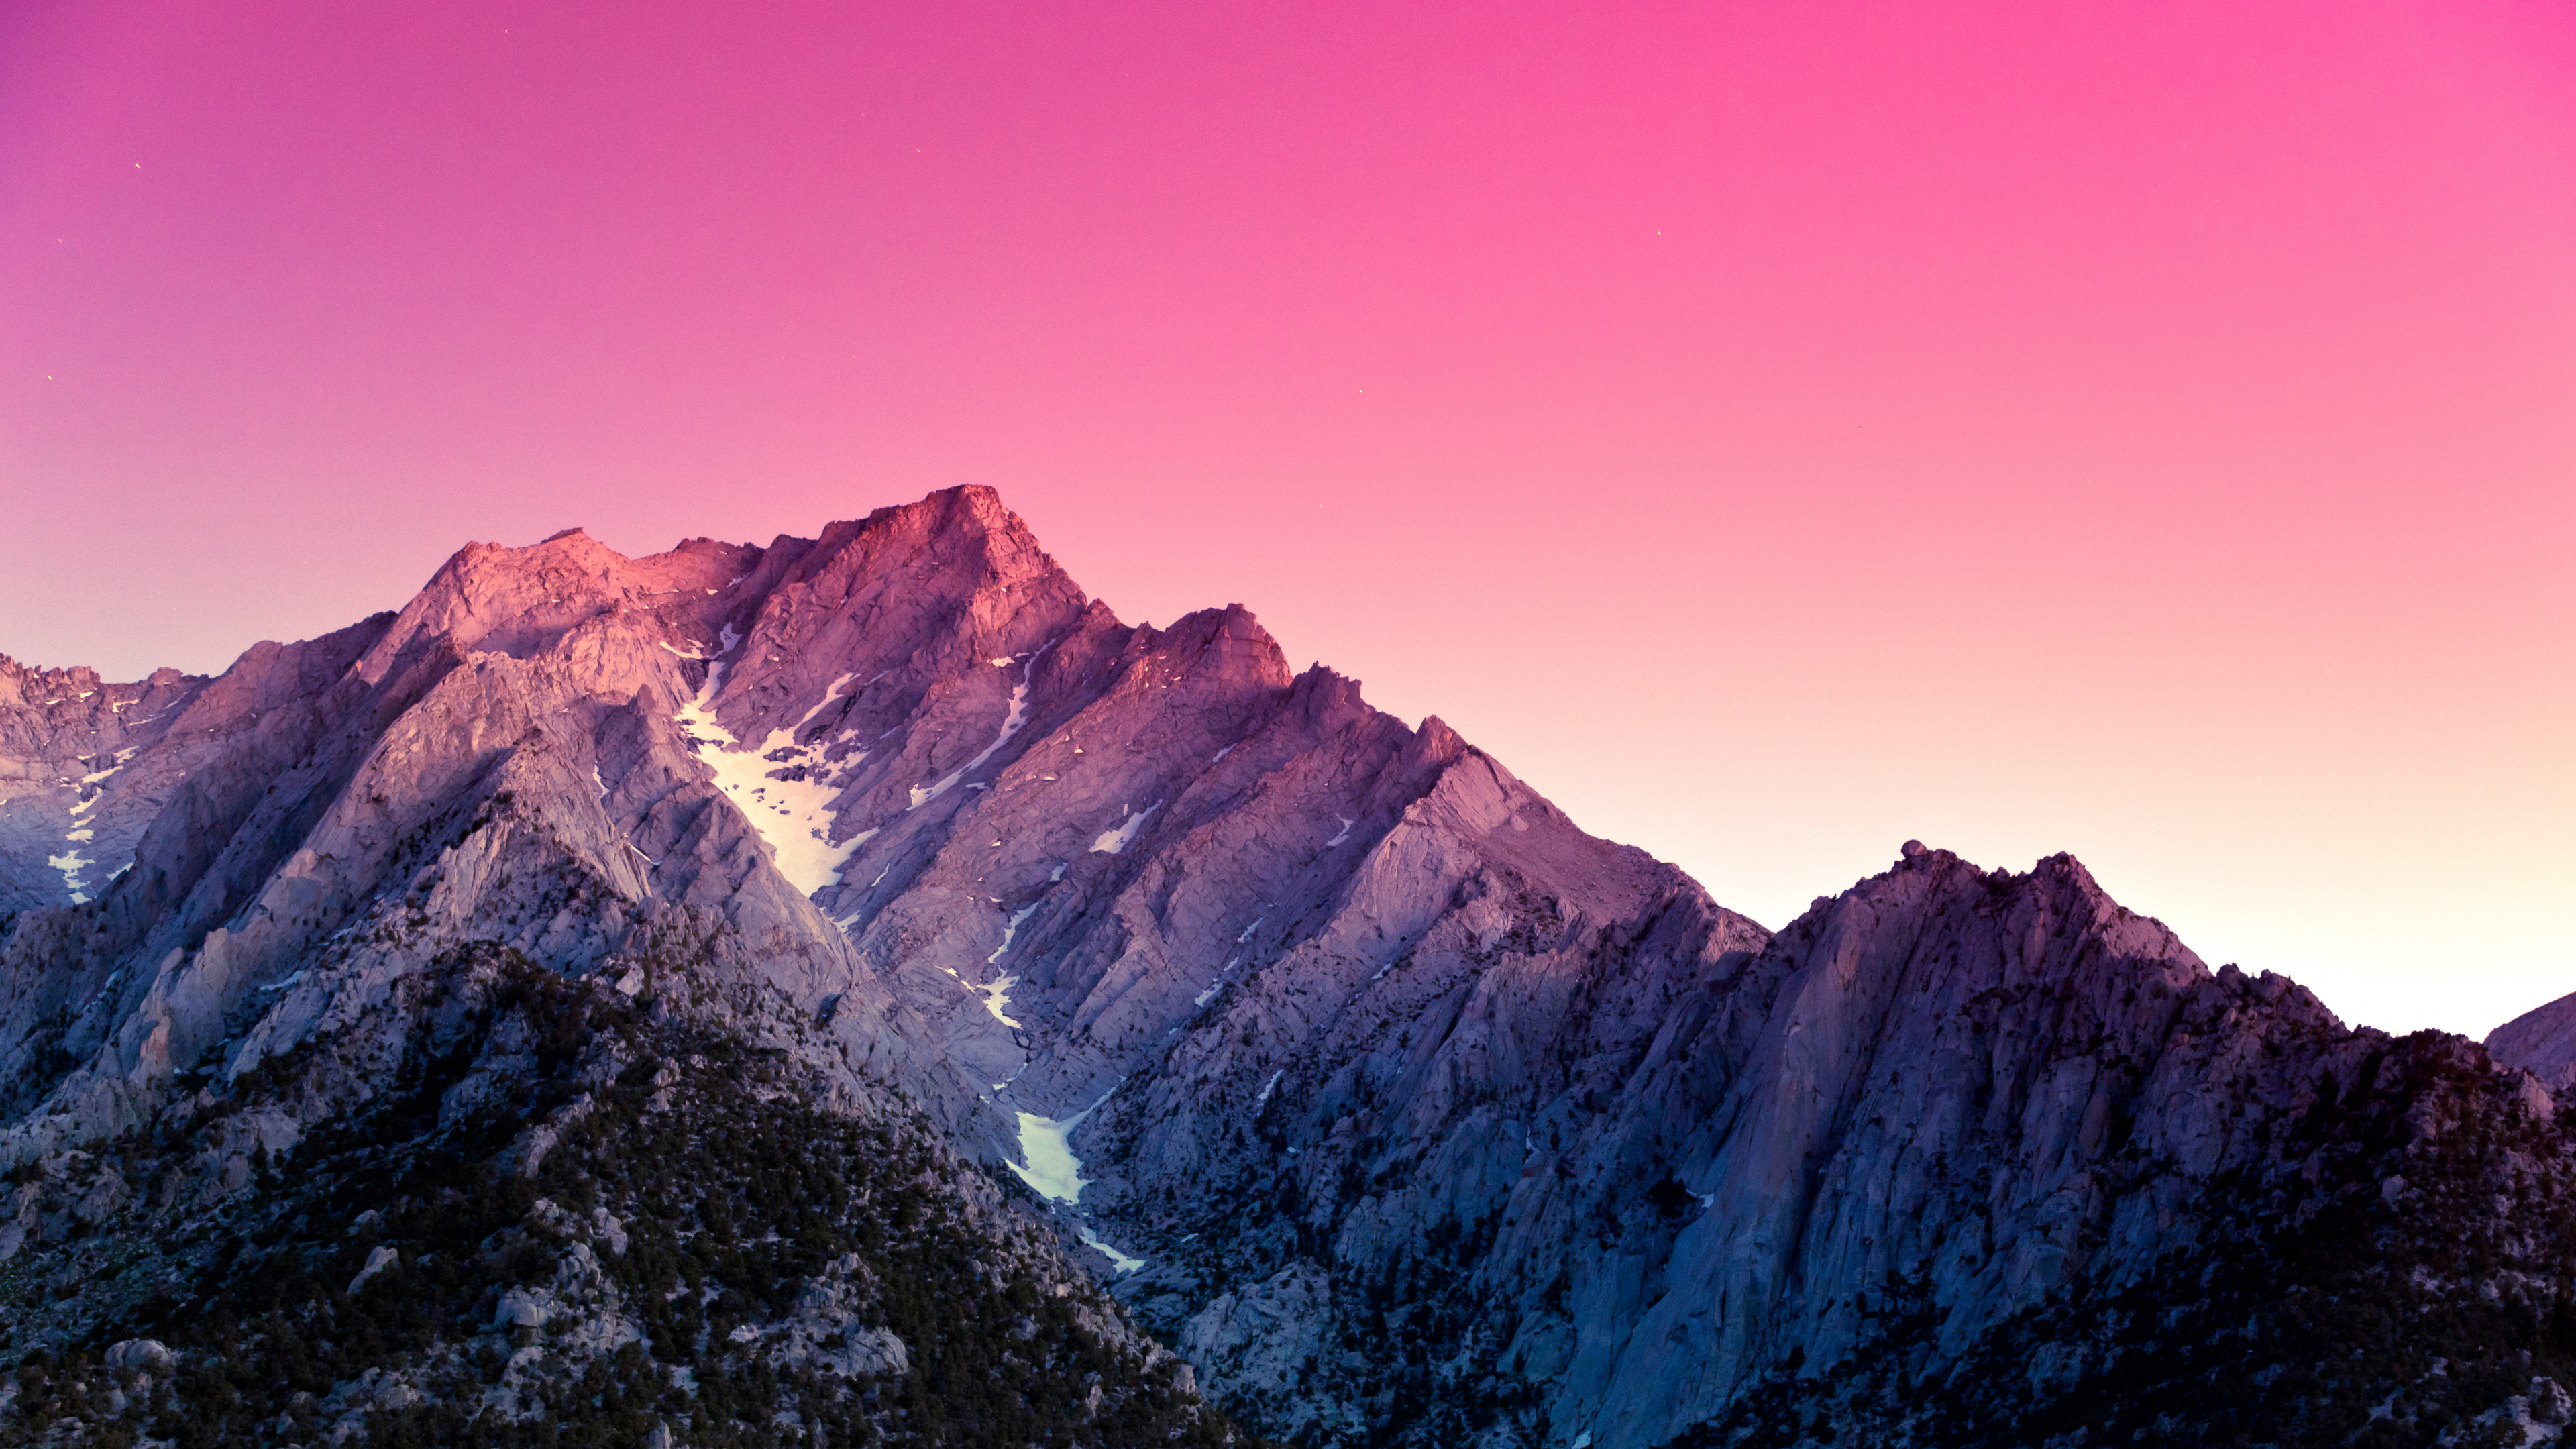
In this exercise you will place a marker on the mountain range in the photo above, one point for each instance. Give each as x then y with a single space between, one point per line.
859 990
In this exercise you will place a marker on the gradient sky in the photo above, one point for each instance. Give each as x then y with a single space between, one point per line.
1775 430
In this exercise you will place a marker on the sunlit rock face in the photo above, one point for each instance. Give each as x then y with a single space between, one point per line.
2541 1041
905 778
1362 1076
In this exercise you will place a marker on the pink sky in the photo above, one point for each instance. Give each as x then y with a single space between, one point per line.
1774 430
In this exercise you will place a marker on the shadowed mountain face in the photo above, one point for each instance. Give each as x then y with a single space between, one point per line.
1352 1070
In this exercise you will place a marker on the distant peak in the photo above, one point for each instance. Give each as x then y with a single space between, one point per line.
563 533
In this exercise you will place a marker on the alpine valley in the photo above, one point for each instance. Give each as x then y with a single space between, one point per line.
858 991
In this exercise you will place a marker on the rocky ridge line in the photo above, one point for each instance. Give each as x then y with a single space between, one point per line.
1408 1111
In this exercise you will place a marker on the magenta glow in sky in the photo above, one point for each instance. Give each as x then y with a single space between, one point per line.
1774 430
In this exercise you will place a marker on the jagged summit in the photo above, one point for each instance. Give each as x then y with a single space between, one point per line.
913 721
1405 1109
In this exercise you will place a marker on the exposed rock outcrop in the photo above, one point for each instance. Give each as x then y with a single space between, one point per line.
2541 1041
1405 1109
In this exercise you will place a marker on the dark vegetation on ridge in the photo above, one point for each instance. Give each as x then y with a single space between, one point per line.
736 1204
2409 1267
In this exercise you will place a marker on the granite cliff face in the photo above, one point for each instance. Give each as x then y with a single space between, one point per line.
2541 1041
1399 1107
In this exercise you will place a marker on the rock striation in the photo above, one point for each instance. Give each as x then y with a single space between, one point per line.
1348 1066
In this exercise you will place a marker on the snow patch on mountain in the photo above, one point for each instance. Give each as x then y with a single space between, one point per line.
1119 1262
1011 723
1123 834
1203 996
997 992
74 862
793 814
1052 1170
71 863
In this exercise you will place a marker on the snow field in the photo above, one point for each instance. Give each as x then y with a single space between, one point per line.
1052 1171
794 816
1055 1173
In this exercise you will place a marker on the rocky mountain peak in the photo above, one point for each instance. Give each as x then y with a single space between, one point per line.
1336 1054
